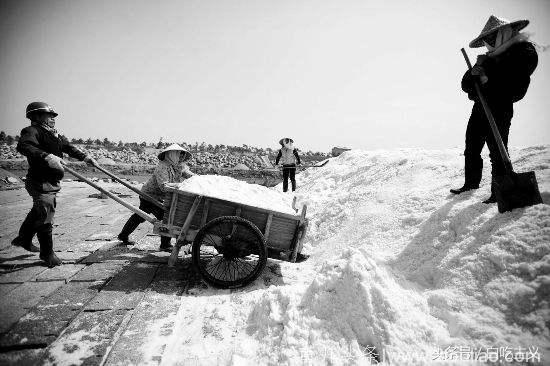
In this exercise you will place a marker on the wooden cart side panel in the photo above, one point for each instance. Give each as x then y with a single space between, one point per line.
281 233
282 228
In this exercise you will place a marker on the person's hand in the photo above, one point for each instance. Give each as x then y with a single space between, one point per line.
481 58
479 72
54 161
90 161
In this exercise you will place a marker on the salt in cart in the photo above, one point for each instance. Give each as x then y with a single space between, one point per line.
230 241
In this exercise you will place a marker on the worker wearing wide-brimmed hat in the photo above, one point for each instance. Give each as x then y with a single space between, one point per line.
170 169
504 73
289 157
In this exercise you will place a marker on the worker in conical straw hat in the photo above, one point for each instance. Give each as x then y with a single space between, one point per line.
170 169
504 73
289 158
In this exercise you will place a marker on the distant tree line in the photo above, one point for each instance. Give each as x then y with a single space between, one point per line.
193 147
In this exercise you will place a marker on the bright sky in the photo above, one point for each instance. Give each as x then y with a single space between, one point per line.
356 73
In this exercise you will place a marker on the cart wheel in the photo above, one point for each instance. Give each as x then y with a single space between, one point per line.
229 252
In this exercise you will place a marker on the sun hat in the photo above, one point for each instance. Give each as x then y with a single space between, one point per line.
493 25
285 138
175 147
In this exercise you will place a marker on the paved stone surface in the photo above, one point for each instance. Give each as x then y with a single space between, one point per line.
6 288
60 273
26 357
87 338
23 298
150 327
99 271
125 290
119 253
108 301
45 322
21 275
72 257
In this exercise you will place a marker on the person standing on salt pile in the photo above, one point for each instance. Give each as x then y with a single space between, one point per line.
44 150
170 169
504 75
289 158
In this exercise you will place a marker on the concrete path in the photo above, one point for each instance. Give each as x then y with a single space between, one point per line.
93 309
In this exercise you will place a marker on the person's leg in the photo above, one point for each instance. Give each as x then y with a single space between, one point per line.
285 179
164 240
292 175
44 204
503 117
474 142
133 222
27 230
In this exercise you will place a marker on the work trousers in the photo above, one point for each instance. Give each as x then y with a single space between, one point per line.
478 133
289 171
135 220
40 218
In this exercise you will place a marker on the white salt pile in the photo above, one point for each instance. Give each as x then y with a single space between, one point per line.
238 191
397 264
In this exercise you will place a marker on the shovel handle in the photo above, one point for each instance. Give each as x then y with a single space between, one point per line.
492 123
141 194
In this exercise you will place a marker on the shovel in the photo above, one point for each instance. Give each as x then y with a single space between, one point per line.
513 190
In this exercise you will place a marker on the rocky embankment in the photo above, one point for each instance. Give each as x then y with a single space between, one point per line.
129 163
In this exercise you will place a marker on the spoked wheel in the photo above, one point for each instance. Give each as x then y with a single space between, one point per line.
229 252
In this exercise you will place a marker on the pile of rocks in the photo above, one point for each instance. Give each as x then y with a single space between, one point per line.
222 159
8 152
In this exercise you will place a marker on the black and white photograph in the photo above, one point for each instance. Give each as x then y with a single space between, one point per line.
261 182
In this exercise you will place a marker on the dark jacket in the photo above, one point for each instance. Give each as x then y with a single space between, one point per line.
36 143
508 75
290 158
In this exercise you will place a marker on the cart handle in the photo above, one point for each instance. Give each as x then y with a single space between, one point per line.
129 206
141 194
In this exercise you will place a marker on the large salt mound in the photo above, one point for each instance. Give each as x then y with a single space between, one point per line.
231 189
397 263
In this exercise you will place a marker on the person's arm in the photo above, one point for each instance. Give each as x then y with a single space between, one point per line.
278 157
510 74
71 150
162 176
28 144
186 172
297 157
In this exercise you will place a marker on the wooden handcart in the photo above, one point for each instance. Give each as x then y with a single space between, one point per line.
230 241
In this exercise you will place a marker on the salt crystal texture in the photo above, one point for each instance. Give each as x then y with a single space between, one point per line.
234 190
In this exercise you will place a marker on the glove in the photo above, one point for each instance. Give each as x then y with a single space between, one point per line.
90 161
481 59
480 72
54 161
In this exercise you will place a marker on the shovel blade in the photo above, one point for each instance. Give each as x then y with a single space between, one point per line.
516 190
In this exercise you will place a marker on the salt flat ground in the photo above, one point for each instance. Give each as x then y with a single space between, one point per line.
398 267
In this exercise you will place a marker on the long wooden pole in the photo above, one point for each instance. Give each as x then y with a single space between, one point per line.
492 123
135 210
142 194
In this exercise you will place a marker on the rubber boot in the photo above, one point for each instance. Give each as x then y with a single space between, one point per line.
26 233
128 228
165 245
473 168
46 246
493 197
25 244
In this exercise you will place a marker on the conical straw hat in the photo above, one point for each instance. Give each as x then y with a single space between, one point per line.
493 25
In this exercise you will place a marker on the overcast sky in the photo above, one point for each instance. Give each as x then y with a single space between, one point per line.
357 73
